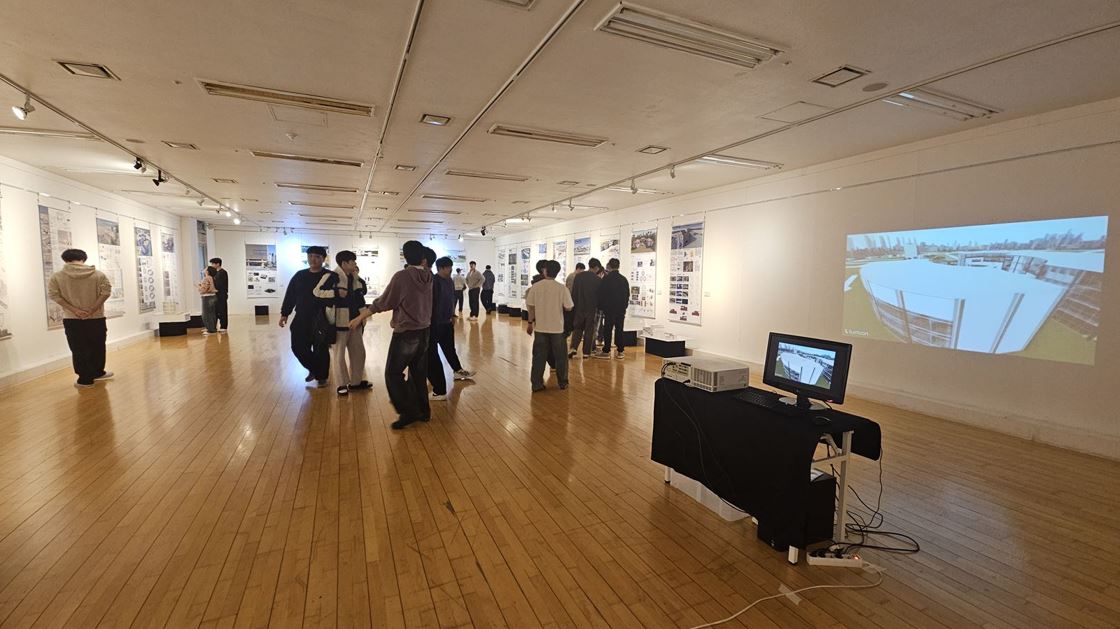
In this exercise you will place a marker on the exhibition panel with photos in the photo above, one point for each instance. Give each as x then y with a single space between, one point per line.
953 277
43 214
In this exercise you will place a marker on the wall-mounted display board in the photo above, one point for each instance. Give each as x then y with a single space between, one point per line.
55 236
169 265
367 267
526 274
261 274
5 331
686 272
582 250
500 276
560 254
643 272
608 248
145 269
109 262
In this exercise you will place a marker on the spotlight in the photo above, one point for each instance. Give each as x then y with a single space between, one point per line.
237 220
571 208
23 112
553 207
673 171
483 231
159 178
139 165
460 238
633 187
201 202
227 214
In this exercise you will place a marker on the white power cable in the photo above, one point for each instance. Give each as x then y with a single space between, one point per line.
784 594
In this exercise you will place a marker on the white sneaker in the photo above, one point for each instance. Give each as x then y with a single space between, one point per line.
223 331
463 374
108 375
472 318
437 396
605 354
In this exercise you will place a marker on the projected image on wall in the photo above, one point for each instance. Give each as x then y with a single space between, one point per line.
1030 289
804 364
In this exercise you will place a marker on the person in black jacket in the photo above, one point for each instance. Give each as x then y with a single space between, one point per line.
343 294
585 294
300 296
221 285
442 332
614 297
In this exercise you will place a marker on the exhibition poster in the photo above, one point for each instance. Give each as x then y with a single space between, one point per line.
169 265
582 250
511 278
643 272
5 331
526 273
500 275
685 272
55 237
459 257
608 248
109 262
560 254
145 269
367 264
261 277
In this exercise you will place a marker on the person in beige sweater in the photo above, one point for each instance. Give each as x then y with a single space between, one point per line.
81 291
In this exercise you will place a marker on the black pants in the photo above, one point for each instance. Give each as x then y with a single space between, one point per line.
459 300
86 338
583 329
442 336
473 294
315 357
223 311
408 350
612 326
488 299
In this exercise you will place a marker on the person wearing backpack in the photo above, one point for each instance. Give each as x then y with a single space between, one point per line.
208 292
344 293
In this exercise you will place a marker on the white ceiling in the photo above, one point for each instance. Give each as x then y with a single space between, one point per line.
483 62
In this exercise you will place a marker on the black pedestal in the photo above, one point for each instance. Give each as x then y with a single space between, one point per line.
629 338
260 311
172 328
665 349
195 322
513 312
502 309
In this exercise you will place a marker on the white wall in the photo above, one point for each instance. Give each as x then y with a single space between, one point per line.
33 349
775 250
229 245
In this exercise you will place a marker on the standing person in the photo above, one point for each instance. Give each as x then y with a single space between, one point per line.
488 280
474 287
460 282
442 334
547 301
572 276
300 296
585 295
570 315
221 286
81 291
614 297
540 272
409 296
208 294
343 292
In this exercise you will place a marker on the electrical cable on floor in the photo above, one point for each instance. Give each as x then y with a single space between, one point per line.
864 528
864 586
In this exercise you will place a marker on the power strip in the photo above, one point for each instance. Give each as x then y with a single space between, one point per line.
846 561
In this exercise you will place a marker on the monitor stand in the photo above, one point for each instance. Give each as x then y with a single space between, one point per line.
803 403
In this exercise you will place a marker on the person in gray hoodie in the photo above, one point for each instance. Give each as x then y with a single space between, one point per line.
81 291
409 296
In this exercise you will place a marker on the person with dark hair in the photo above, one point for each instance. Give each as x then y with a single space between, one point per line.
614 297
460 282
429 262
546 302
568 281
311 352
409 296
81 291
540 272
207 294
488 280
343 292
474 282
585 294
221 288
570 315
442 333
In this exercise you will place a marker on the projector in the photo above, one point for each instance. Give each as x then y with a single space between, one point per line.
709 374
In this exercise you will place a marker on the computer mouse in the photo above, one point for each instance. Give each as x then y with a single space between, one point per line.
821 421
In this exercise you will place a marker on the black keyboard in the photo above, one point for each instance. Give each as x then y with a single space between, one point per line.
770 401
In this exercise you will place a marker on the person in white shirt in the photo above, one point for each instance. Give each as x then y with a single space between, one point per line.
460 281
546 301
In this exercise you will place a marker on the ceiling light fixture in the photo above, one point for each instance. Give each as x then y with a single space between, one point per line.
315 187
329 161
452 197
405 167
727 160
236 220
48 133
22 112
545 135
387 193
227 214
201 202
483 231
435 120
159 178
571 208
941 104
633 187
676 33
223 180
181 145
477 174
639 190
672 171
279 97
460 238
139 165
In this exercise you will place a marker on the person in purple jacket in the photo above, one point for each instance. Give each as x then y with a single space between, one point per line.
409 296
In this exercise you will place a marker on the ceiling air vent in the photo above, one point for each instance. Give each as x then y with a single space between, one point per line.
417 220
314 187
840 76
331 161
333 206
181 145
224 180
544 135
326 218
458 172
676 33
279 97
453 197
90 70
435 211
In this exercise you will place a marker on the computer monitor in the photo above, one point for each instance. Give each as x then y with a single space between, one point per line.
809 368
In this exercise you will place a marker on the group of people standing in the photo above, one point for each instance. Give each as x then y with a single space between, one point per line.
213 291
478 286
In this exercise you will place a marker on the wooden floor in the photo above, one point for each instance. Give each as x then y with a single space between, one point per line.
206 486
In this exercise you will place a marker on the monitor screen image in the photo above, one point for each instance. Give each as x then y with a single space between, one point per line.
806 365
1030 289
